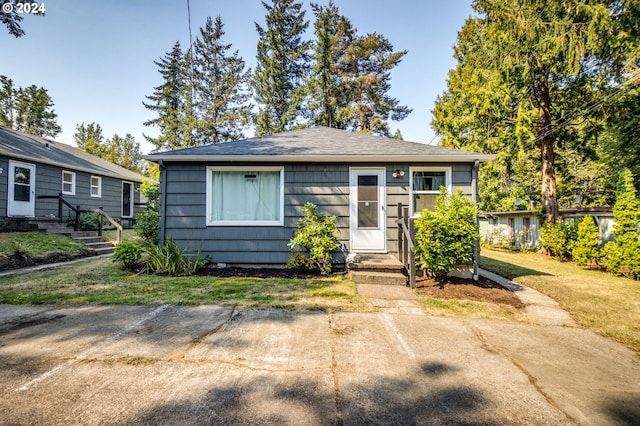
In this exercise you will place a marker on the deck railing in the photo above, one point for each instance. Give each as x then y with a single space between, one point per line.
77 210
406 247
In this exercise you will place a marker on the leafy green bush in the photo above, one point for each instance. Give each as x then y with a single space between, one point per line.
623 254
557 238
147 221
128 253
88 221
170 259
586 249
445 237
316 234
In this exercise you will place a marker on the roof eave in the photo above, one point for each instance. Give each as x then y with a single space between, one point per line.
446 158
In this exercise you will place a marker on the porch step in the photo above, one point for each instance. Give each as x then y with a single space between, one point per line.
378 278
89 239
381 269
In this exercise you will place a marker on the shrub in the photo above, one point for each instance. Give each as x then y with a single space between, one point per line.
170 259
88 221
316 234
147 221
586 249
445 237
623 254
557 238
129 254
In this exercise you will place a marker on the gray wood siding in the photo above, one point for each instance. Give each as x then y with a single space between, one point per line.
4 185
49 182
183 194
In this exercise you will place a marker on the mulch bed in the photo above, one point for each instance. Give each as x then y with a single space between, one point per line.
483 290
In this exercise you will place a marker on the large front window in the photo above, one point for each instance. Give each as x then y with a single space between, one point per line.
425 187
247 196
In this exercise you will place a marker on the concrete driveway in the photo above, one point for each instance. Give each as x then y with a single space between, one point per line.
219 365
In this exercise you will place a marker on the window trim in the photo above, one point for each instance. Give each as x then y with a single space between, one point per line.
73 182
412 192
99 186
209 196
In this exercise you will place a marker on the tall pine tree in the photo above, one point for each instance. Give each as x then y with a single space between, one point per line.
282 62
220 82
34 112
89 138
169 103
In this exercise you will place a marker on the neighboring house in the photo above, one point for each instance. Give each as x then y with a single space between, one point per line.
521 228
32 167
239 202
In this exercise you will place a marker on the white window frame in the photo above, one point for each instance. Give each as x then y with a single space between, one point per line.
209 196
73 182
412 192
99 186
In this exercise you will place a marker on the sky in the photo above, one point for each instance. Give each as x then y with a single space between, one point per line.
96 57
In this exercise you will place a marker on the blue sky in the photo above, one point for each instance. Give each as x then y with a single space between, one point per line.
95 57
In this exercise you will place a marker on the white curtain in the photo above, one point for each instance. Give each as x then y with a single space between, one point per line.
245 195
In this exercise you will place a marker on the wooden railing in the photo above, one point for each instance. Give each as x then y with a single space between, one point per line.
77 211
406 248
102 214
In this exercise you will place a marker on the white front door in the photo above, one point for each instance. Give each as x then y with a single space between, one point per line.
368 210
21 199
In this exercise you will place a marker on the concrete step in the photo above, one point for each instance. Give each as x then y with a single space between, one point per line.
378 278
89 239
384 263
104 250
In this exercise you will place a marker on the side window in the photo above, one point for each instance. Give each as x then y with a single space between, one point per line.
96 186
68 183
425 187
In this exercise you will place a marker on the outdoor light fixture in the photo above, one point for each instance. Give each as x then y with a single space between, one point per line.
398 173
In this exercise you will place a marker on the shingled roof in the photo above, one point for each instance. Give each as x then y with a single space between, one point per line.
318 144
22 146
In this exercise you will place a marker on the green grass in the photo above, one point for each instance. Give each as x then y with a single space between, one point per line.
100 281
36 242
604 303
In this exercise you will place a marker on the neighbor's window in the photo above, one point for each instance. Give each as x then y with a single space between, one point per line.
425 186
251 196
96 186
68 183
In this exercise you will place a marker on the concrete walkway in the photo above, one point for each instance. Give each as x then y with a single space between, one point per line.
223 365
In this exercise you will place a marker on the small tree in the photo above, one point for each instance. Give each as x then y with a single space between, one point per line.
445 237
623 254
557 239
148 219
317 235
586 249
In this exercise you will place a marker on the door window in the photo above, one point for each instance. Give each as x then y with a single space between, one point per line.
368 203
21 184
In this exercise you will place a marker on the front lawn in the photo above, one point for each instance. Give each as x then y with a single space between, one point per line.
35 242
604 303
100 281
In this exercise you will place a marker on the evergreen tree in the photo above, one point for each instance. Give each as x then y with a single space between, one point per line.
34 112
89 138
325 92
365 69
7 98
398 135
282 62
168 102
524 69
586 249
222 105
623 254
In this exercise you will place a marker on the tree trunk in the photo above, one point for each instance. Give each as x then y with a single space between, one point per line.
547 148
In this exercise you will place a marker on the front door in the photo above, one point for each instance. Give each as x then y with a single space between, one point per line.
367 210
127 199
21 199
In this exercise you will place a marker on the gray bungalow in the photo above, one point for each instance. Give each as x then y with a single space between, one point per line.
239 201
33 169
